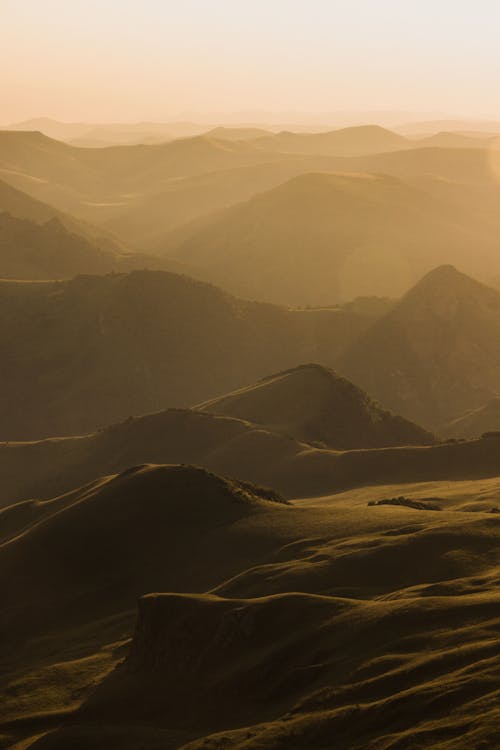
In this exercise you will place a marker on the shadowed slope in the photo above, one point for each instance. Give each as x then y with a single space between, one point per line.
232 447
475 422
436 353
106 347
394 626
314 405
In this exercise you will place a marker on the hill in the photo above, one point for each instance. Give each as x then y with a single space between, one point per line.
232 447
49 250
112 346
457 140
313 404
436 353
353 141
323 238
85 180
475 422
23 206
408 597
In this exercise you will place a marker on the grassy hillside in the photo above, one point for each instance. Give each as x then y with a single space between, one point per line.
229 446
394 612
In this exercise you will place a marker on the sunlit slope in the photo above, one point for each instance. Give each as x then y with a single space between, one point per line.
313 404
436 353
323 238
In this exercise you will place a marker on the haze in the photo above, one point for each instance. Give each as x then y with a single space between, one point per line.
249 375
130 60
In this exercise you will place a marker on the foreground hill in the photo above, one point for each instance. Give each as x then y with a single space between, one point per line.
313 404
436 353
394 612
323 238
107 347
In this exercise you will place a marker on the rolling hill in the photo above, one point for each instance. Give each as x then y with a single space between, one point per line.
353 141
313 404
23 206
112 346
436 353
394 612
48 251
82 180
36 251
323 238
232 447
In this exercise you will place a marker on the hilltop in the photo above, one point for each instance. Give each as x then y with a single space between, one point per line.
435 353
313 404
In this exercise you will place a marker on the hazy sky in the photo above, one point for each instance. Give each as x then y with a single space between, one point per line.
129 59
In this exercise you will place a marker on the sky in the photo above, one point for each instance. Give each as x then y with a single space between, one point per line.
130 60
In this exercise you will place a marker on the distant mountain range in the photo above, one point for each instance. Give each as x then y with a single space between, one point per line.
325 237
231 208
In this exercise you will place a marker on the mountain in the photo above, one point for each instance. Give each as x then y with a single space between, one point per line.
354 141
436 353
323 238
214 660
475 422
313 404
